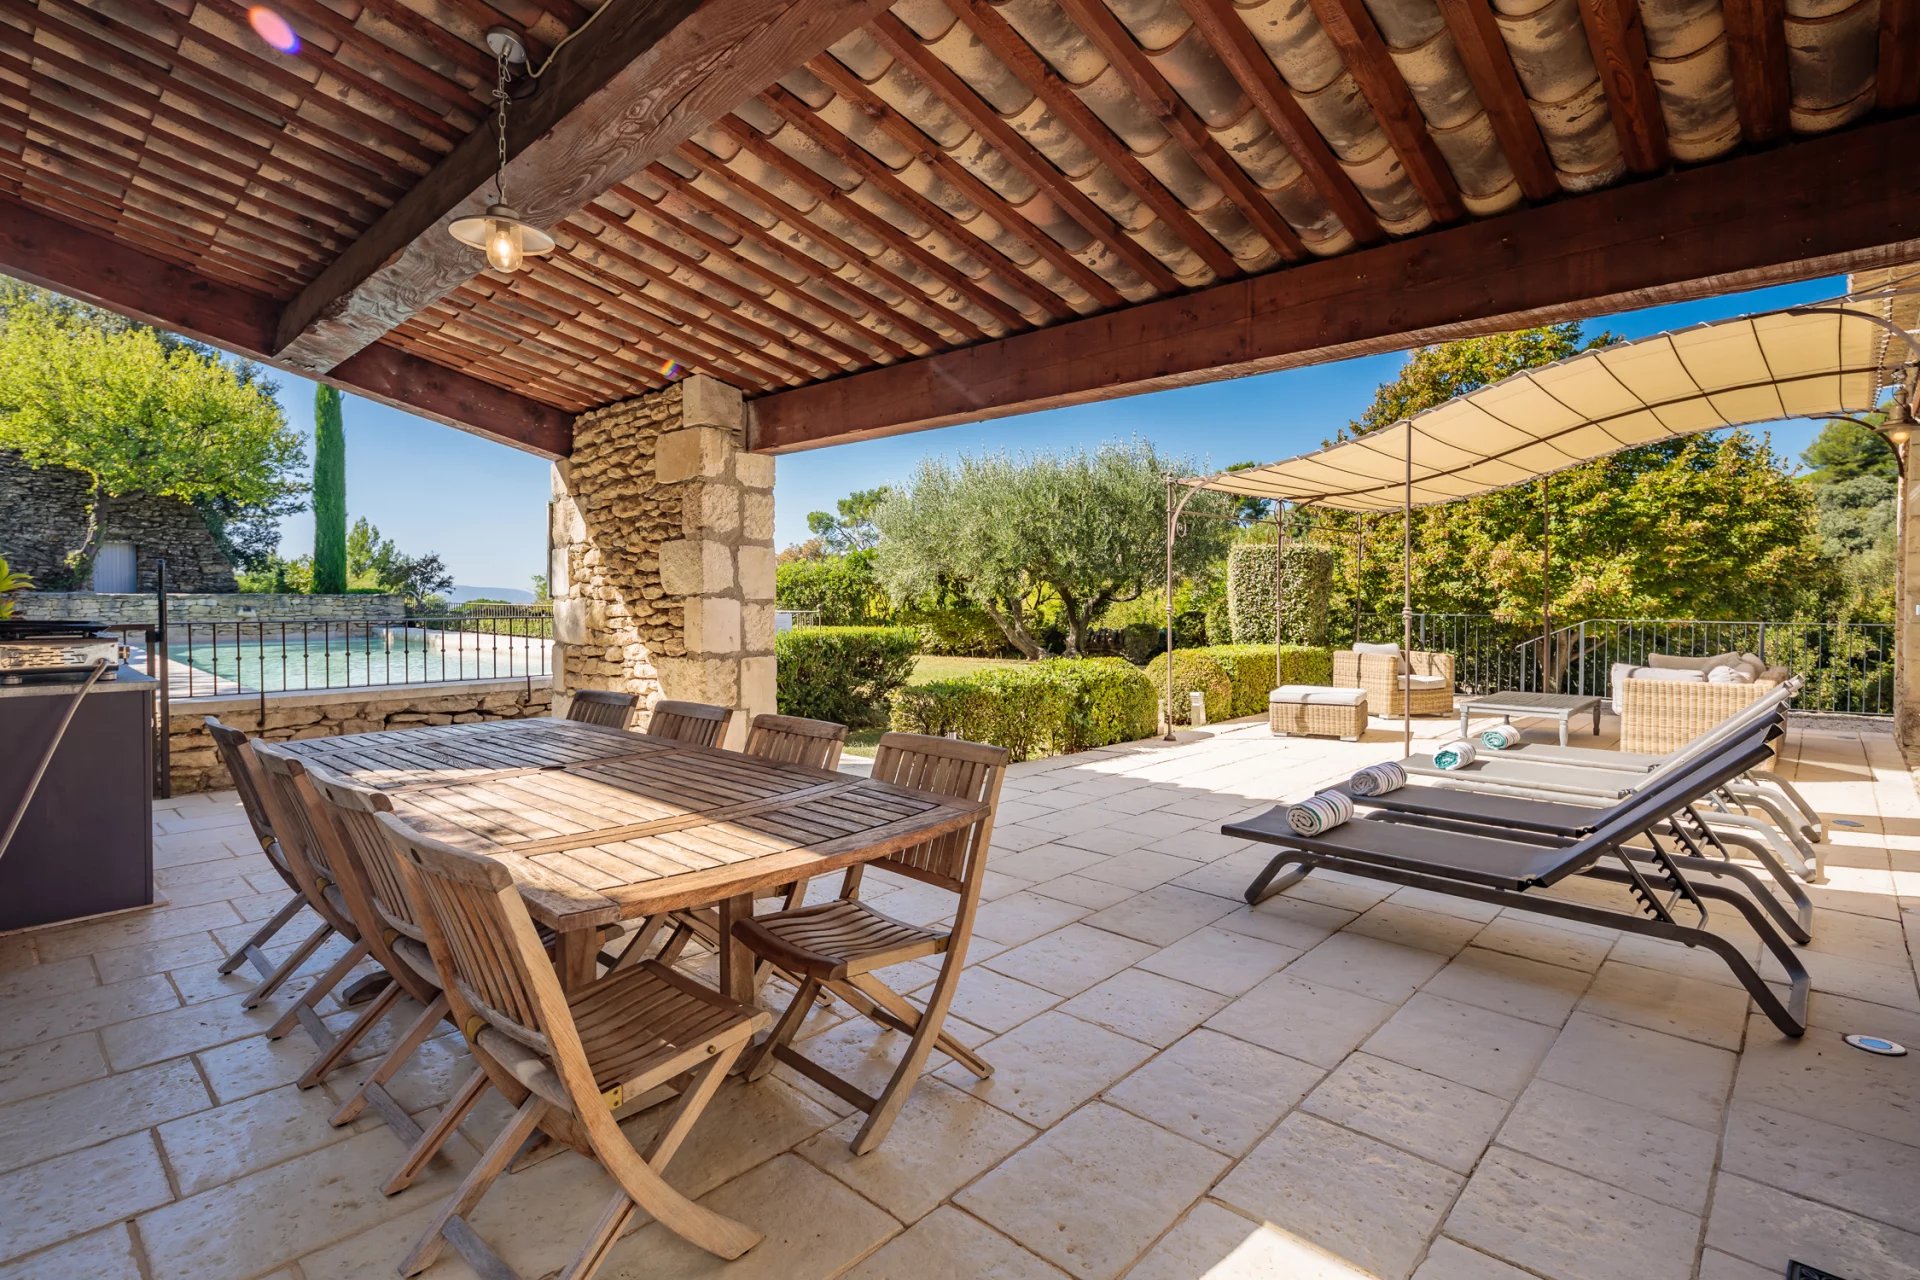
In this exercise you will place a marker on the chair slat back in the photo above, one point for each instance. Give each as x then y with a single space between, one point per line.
280 778
353 810
796 740
602 706
694 723
948 767
482 939
235 752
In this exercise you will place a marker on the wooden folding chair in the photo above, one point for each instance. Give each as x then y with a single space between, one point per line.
237 755
839 945
569 1061
602 706
694 723
377 892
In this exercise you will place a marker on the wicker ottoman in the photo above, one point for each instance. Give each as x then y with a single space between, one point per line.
1316 711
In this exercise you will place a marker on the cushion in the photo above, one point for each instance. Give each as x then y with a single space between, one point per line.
1417 683
1775 675
1675 662
1318 695
1624 671
1735 674
1383 650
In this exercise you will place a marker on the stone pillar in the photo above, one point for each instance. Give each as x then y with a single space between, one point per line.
661 554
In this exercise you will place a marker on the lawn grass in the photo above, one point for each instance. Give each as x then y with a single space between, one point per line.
926 669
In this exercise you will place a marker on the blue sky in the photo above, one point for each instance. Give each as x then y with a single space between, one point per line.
482 506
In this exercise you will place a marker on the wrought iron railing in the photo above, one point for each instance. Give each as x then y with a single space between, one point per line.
259 656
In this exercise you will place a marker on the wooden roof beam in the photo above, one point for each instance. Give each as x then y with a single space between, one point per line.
1898 80
1620 52
1757 48
649 75
1845 200
1489 64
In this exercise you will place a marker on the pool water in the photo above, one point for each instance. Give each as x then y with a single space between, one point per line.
320 661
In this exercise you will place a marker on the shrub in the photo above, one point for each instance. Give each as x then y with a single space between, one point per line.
844 674
1139 641
1194 669
1306 587
843 588
1043 708
1253 675
960 631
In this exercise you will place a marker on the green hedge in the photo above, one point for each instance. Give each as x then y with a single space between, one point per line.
1041 708
1306 586
1194 669
844 674
1236 678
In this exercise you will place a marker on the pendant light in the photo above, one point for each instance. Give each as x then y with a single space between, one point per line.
501 234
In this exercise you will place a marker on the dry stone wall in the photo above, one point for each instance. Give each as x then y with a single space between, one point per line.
43 518
137 609
661 553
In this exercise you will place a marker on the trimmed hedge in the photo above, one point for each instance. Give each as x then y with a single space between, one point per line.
1236 678
1306 586
1041 708
843 674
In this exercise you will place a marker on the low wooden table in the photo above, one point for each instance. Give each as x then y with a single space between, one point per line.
1557 706
602 825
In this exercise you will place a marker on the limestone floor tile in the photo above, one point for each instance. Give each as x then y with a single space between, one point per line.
48 1065
55 978
1821 1077
1141 869
1549 1220
1040 863
1388 971
941 1141
1068 819
1317 1024
1444 904
865 1053
1550 944
811 1225
1447 1123
1451 1260
997 1002
1493 1052
1226 877
1022 917
1215 1090
56 1123
1891 985
1768 1228
24 1022
1681 1006
1068 961
1680 1079
1531 989
1219 960
227 1142
1095 1190
1288 920
1046 1067
1411 926
1715 1265
1214 1242
1145 1006
104 1255
1859 1172
131 930
1615 1142
1109 840
950 1245
1161 915
1094 895
747 1123
1356 1198
79 1192
172 1033
1338 889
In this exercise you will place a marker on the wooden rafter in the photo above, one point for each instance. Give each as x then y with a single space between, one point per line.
1351 29
1619 44
1219 23
1757 48
1045 83
1898 80
1849 199
1490 69
1183 124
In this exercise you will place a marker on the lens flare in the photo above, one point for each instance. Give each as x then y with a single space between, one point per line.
273 28
670 369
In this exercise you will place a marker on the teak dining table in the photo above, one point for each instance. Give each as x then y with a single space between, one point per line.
601 825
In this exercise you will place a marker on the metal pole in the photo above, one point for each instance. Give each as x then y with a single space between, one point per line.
1406 606
1359 571
1170 523
1279 557
1546 588
163 732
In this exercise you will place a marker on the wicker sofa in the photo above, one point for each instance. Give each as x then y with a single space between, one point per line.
1386 693
1661 715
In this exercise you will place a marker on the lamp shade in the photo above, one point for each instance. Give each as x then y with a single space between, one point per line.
501 234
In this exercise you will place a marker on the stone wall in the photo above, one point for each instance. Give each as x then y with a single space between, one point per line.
325 713
661 553
43 519
129 609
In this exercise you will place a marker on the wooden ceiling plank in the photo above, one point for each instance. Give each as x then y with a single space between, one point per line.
653 73
1619 43
1011 48
432 34
1361 47
1483 51
1897 83
960 97
1844 201
902 130
1757 48
1233 42
1183 124
459 105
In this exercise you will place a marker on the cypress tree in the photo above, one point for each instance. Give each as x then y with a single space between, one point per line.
329 494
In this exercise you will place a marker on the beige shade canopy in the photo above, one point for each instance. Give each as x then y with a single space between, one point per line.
1804 363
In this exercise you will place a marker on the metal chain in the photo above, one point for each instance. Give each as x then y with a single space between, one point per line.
500 114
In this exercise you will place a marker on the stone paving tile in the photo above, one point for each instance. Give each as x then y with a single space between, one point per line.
50 1065
1288 920
1859 1172
1388 971
1768 1228
997 1002
1320 1025
1095 1190
1548 943
950 1245
1219 1244
1699 1010
56 1123
1068 961
1141 869
1447 1123
1022 917
1145 1006
1094 895
1357 1198
79 1192
24 1022
1046 1067
104 1255
1220 960
1410 926
222 1143
1451 1260
1615 1142
1531 989
1680 1079
1161 916
1550 1220
1493 1052
1216 1090
1820 1077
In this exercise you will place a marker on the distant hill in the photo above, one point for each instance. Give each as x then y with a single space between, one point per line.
512 595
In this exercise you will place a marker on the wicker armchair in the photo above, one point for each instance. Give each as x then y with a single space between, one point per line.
1386 693
1658 716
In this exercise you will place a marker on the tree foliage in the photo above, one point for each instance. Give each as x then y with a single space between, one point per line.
329 493
1854 481
850 526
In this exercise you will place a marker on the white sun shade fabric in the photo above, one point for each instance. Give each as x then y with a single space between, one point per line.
1754 369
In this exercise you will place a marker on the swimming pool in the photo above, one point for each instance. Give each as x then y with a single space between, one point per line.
261 659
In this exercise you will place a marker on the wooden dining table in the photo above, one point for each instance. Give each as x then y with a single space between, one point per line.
603 825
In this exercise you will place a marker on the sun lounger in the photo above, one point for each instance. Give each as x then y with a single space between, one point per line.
1509 872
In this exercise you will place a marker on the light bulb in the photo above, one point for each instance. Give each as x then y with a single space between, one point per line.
1899 435
504 252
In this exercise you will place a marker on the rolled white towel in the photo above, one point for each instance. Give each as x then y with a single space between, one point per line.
1319 813
1499 737
1378 779
1454 755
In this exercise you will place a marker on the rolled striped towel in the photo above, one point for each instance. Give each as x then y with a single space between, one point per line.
1378 779
1319 813
1454 755
1499 737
